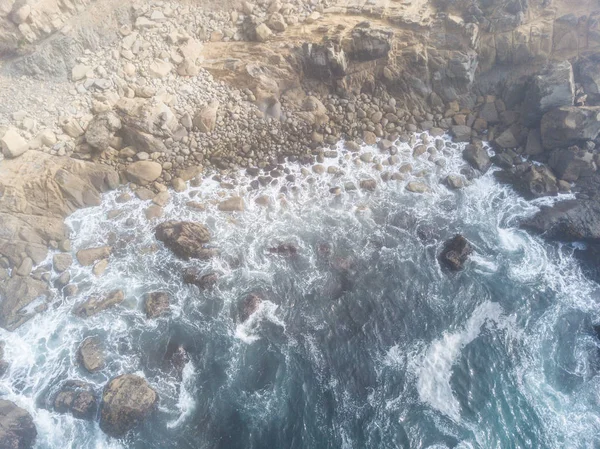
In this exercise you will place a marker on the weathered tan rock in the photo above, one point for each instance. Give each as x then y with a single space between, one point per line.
127 401
144 172
206 118
263 32
186 239
61 262
91 354
96 304
17 293
89 256
234 204
13 145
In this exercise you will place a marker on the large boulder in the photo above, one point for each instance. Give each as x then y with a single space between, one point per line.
96 304
532 181
248 306
478 157
15 295
89 256
572 163
552 88
206 118
455 253
572 220
143 172
570 125
101 130
324 61
185 238
127 400
17 430
78 399
195 277
12 144
90 354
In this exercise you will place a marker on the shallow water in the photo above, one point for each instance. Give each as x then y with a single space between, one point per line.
361 341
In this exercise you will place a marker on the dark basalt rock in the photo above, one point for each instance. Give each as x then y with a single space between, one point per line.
127 401
248 306
203 281
531 181
284 249
571 220
570 125
455 253
17 430
78 399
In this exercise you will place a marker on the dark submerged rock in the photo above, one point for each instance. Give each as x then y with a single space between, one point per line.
195 277
157 304
455 253
95 304
17 430
571 220
127 400
248 306
284 249
186 239
78 399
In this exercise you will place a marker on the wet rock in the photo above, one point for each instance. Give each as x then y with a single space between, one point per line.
234 204
143 172
89 256
552 88
478 157
17 293
100 267
571 164
90 354
96 304
153 212
284 249
157 304
368 184
203 281
186 239
455 253
455 182
567 126
248 306
3 363
78 399
17 430
572 220
127 400
417 187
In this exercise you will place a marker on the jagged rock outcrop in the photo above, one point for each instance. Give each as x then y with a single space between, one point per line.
572 220
570 125
455 253
186 239
78 399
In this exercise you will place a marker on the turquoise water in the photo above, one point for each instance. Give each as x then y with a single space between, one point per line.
362 340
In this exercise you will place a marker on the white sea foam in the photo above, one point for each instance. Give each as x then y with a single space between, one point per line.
434 369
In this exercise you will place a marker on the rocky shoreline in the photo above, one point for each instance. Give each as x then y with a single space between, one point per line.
180 94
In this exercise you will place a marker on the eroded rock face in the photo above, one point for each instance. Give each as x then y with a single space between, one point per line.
102 129
368 44
77 398
570 125
127 400
186 239
573 163
17 430
38 192
17 293
455 253
552 88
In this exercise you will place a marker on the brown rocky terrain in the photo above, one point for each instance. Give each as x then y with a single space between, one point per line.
94 94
